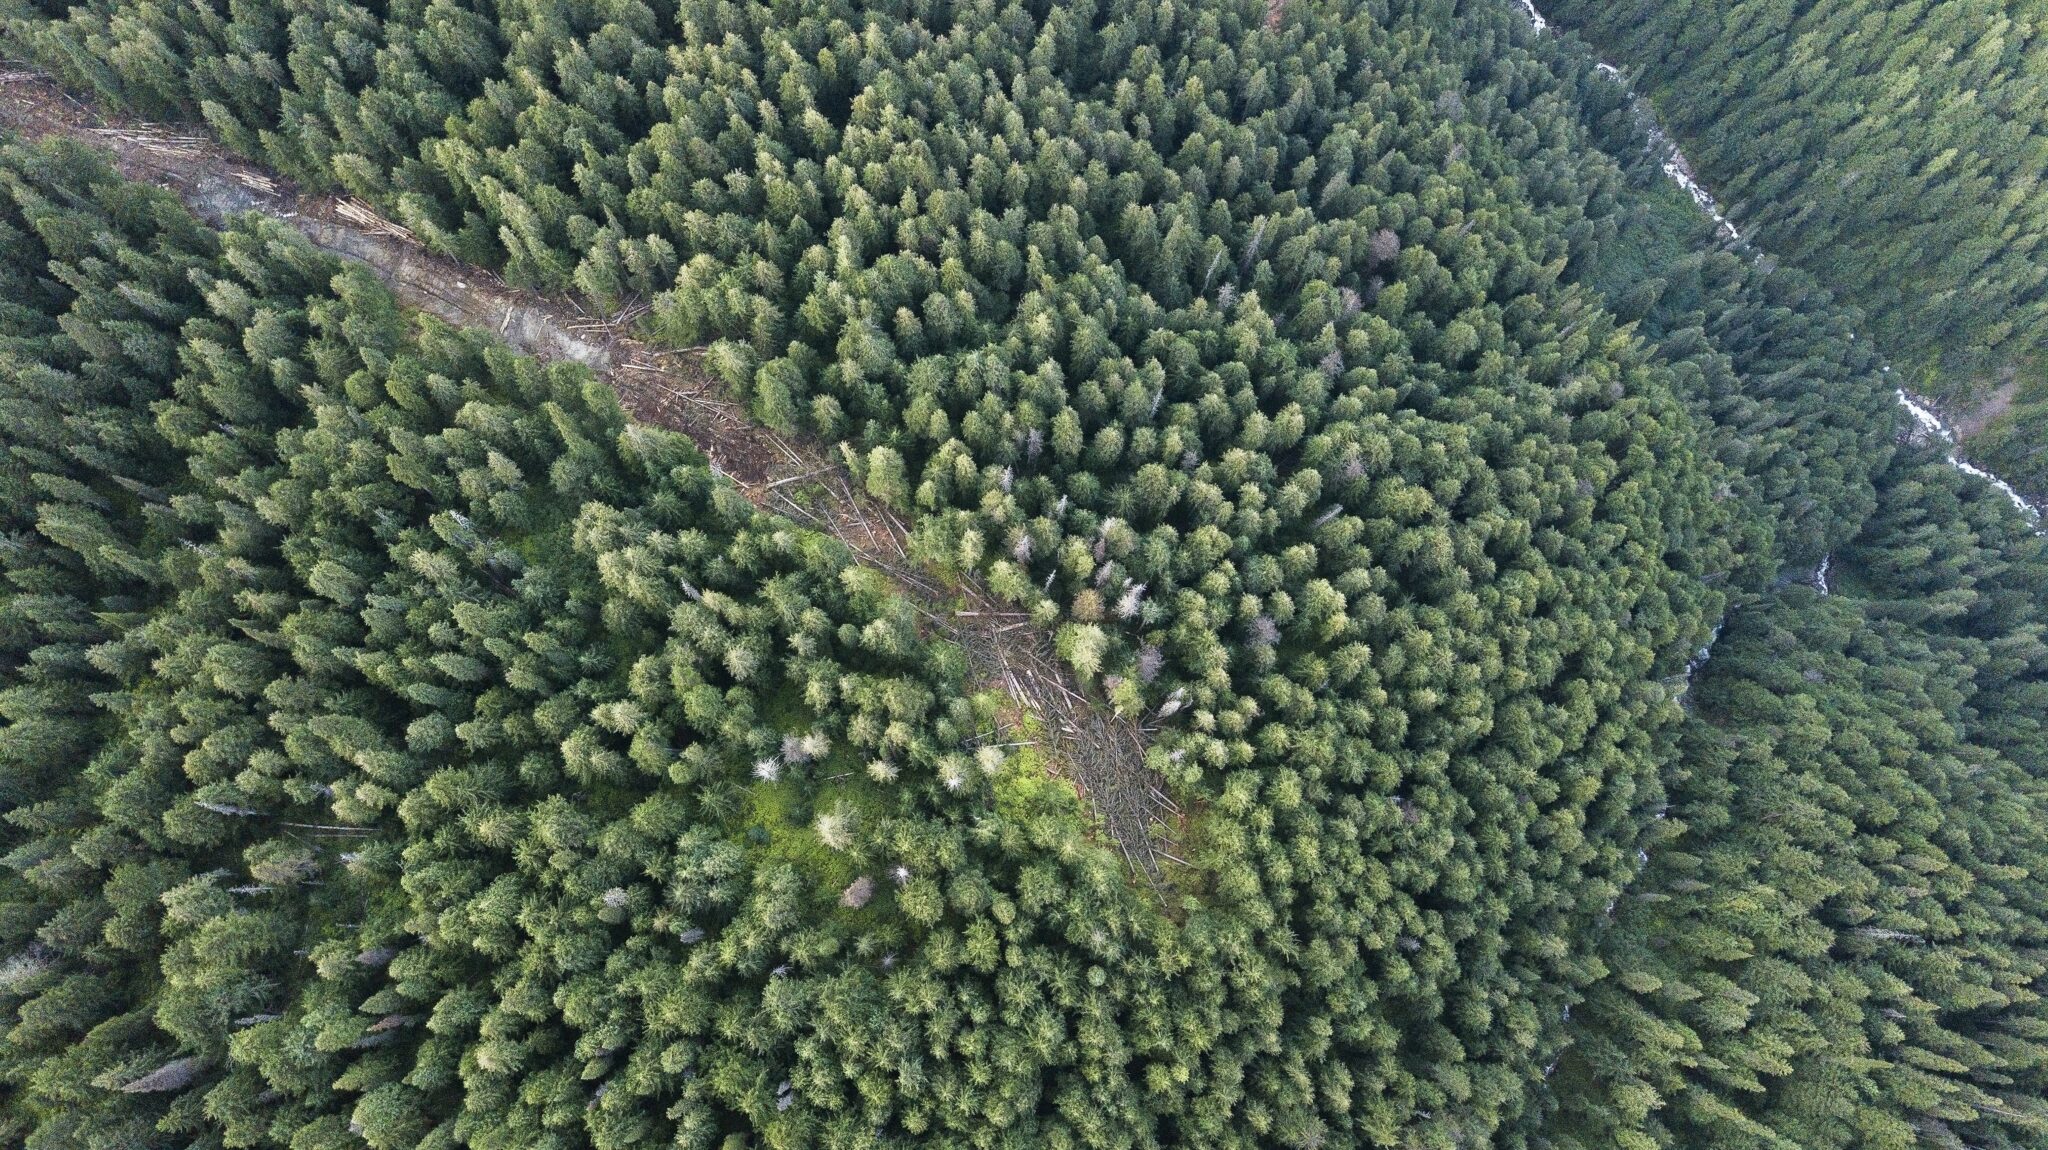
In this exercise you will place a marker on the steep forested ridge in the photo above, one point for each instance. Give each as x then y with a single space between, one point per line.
1279 360
1892 150
1838 941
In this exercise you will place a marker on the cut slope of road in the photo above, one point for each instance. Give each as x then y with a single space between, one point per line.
1100 752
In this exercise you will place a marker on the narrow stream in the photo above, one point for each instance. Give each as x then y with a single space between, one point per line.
1665 148
1705 652
1931 424
1676 166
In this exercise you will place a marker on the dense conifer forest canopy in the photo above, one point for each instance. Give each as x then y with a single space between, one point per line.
1590 717
1895 151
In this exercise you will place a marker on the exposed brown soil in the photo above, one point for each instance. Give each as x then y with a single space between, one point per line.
1968 420
1101 753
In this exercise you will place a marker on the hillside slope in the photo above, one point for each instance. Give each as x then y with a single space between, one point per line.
1894 152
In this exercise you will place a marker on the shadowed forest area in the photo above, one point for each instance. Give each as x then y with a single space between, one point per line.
1894 151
